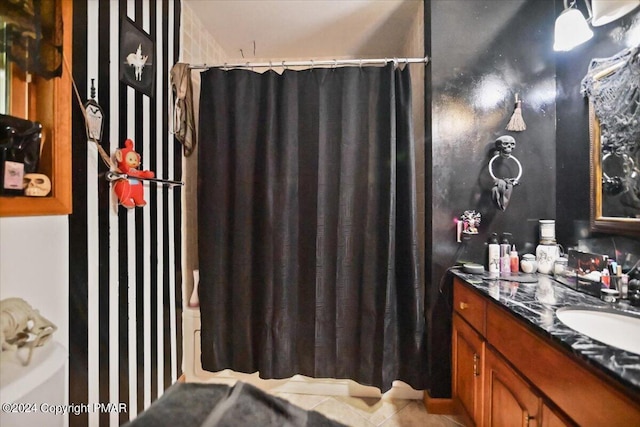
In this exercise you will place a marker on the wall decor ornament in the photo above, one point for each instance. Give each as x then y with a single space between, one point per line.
137 58
36 185
94 116
130 190
516 123
503 187
471 220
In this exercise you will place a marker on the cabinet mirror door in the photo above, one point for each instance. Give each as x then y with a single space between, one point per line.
47 102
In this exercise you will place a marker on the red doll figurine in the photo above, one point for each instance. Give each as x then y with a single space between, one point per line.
130 191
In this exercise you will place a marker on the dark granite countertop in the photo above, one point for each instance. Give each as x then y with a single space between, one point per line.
536 303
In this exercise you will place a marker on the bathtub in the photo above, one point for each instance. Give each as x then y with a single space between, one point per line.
193 372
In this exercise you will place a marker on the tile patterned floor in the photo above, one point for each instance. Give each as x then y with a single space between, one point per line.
369 412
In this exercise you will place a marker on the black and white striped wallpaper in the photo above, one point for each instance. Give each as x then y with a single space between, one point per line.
125 339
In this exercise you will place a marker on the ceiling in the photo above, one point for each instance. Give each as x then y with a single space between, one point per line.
308 29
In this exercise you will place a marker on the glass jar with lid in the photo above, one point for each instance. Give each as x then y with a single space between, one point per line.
560 266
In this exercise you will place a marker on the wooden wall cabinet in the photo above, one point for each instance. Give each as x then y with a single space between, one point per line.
49 102
525 380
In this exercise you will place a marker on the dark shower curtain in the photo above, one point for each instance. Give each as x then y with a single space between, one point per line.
308 246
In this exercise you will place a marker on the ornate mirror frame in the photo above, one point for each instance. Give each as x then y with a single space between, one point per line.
600 223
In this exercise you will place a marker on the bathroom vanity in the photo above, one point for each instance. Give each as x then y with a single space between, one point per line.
516 363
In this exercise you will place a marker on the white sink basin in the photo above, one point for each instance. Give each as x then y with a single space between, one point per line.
612 327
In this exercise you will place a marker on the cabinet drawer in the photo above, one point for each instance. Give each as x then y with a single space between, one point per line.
470 305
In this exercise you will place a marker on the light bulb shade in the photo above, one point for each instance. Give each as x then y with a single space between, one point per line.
605 11
571 30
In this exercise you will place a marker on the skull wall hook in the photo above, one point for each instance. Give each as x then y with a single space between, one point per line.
505 145
503 187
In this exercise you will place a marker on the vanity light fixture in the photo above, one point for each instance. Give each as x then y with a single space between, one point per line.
571 27
605 11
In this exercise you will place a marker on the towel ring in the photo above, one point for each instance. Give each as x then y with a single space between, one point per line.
514 180
628 165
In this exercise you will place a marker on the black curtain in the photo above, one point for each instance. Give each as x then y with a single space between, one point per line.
308 246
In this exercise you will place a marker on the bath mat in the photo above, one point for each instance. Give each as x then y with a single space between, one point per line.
219 405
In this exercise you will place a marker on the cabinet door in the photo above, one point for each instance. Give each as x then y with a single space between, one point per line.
553 419
468 354
508 400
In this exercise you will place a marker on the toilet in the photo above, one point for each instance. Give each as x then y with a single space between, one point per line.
33 395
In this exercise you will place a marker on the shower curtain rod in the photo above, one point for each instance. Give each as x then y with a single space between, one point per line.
312 63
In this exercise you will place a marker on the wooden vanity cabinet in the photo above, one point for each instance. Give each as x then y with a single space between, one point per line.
508 399
552 419
587 396
505 373
468 354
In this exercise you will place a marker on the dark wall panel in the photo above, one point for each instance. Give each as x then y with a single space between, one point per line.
484 52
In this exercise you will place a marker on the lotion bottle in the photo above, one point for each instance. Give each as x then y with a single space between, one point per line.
494 254
514 260
605 277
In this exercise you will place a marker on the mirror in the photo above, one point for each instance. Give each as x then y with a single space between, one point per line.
615 186
47 101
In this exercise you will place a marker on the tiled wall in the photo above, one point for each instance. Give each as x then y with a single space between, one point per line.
197 46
